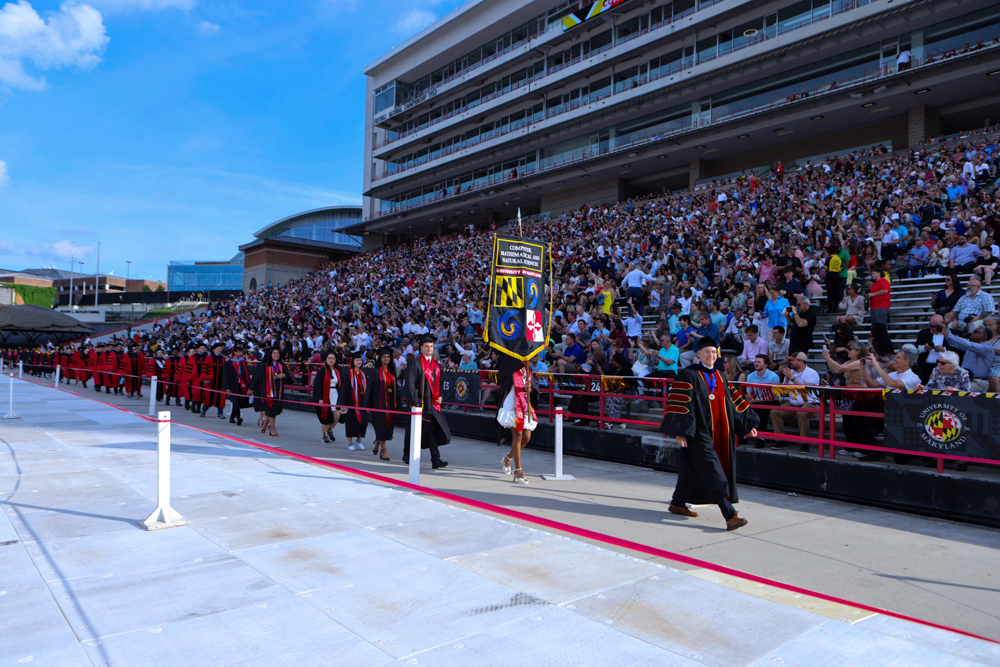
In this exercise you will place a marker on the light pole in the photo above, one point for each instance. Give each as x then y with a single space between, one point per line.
83 283
128 271
72 258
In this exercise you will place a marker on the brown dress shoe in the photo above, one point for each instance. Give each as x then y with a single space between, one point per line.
736 522
681 509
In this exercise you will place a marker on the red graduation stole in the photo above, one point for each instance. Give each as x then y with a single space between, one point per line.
522 402
359 384
240 368
269 393
324 411
432 372
388 393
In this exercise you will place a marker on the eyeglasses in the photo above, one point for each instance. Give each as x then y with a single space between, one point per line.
943 363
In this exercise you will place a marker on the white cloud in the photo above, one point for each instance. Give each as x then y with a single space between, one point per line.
7 246
206 28
72 36
143 5
4 175
62 250
415 21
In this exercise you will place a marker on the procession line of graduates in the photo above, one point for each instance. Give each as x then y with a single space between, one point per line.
205 379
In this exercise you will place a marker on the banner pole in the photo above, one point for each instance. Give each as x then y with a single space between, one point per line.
152 396
559 476
55 382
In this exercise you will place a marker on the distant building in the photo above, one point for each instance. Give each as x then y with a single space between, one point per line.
205 276
83 283
294 246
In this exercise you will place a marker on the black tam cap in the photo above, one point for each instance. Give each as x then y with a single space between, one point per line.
426 338
384 350
358 355
706 341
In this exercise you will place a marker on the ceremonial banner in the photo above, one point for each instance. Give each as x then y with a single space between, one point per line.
957 423
518 324
588 11
461 387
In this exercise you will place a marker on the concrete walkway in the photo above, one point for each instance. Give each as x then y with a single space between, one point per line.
287 563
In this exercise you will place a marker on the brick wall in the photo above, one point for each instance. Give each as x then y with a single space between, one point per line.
284 257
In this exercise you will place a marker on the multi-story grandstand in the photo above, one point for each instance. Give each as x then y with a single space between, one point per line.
545 105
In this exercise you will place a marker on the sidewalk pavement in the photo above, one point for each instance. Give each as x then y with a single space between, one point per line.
284 562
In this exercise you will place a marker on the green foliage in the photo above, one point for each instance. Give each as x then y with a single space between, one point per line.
159 288
145 288
35 296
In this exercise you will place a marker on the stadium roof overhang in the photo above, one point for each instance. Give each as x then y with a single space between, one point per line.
960 89
305 216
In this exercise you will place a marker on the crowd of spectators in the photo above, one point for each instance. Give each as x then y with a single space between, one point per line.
750 262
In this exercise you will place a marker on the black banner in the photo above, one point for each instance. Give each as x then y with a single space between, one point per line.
518 317
460 387
956 423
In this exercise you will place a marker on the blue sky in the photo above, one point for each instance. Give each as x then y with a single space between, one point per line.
174 129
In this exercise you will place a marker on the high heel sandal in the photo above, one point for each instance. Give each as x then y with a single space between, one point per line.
519 480
385 455
271 432
506 464
263 428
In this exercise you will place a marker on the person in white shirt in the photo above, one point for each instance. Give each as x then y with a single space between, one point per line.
796 373
861 430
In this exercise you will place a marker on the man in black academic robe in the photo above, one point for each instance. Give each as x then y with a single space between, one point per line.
236 382
705 414
423 388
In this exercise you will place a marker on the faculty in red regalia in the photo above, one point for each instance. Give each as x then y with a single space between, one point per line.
705 415
213 396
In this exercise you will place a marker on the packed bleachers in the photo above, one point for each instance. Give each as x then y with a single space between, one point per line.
707 250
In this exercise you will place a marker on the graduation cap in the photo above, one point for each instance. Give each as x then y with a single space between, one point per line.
426 338
706 341
384 350
357 355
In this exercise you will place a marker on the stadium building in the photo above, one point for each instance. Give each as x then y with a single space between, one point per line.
544 106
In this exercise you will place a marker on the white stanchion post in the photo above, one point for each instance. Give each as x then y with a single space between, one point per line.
56 383
559 476
1 364
152 396
20 369
416 415
10 409
163 516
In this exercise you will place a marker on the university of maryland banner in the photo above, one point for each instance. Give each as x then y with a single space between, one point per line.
518 317
460 388
959 423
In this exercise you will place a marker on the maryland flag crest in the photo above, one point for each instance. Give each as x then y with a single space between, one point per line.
519 317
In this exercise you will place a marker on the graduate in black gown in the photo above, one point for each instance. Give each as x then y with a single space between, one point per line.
383 393
353 394
236 383
423 389
326 393
267 385
705 414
